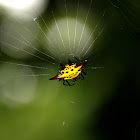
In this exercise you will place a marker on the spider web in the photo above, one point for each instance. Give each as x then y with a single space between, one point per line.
17 36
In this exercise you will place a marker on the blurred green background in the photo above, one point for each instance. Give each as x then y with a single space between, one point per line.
103 106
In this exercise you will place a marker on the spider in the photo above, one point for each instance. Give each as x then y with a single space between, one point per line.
70 71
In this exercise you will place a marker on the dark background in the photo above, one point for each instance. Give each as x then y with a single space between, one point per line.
106 103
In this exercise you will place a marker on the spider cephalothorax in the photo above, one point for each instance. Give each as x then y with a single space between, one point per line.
70 71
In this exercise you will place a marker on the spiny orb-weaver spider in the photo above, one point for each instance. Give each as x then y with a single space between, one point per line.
70 71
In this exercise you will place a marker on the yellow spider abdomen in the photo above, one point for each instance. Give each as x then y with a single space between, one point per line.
70 72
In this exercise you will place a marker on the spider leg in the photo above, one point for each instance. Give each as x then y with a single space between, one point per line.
64 82
82 76
83 72
69 83
77 59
